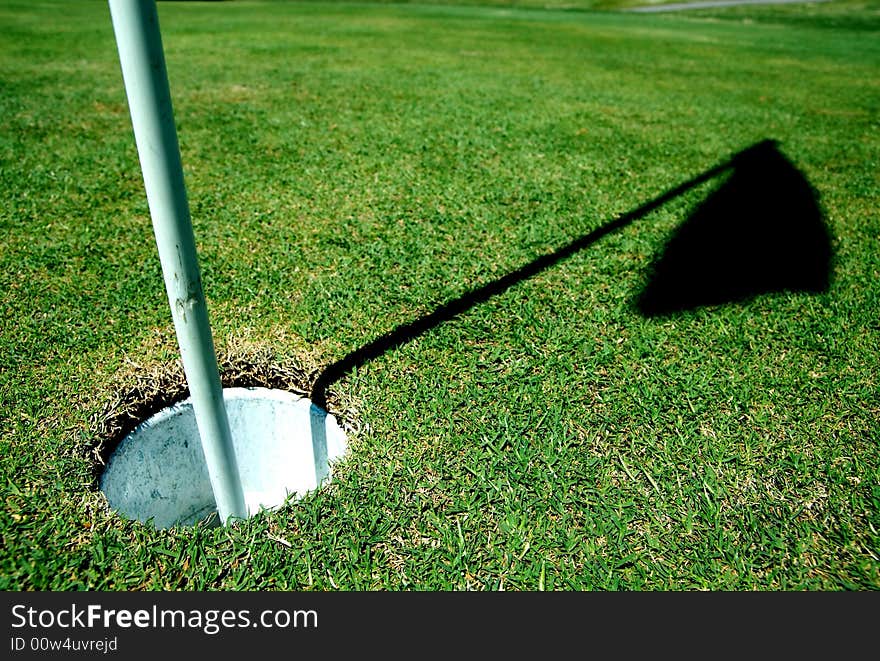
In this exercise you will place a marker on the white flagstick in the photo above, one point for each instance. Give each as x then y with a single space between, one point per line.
136 25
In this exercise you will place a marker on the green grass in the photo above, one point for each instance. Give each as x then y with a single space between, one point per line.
828 12
351 168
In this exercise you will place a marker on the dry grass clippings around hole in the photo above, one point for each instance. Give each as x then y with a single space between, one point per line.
143 390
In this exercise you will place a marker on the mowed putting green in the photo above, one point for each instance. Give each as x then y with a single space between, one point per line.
354 168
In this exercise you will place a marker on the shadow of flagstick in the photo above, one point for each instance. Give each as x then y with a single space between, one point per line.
411 330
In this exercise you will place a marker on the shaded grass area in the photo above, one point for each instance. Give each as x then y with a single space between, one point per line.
834 12
352 168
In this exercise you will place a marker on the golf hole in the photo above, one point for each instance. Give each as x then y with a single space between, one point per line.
284 445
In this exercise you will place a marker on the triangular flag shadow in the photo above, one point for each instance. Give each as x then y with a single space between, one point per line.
761 231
